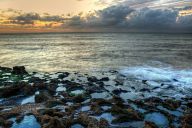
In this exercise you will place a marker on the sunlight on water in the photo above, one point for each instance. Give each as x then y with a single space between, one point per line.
90 51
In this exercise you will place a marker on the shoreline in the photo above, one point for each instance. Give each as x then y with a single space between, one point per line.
76 100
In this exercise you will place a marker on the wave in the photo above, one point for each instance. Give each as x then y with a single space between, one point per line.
163 75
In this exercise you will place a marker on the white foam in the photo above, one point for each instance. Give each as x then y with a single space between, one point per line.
160 75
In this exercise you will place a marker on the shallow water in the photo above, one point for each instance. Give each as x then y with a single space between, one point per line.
94 51
28 122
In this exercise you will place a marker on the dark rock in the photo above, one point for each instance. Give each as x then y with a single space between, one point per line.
171 104
87 121
104 79
187 121
63 75
8 123
103 123
12 90
150 125
145 90
55 122
125 115
144 81
92 79
119 91
19 118
100 83
19 70
52 103
42 97
28 90
79 98
5 69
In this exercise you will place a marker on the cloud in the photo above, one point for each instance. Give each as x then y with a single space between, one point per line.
124 18
116 18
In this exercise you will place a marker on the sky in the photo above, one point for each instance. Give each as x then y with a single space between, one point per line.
95 16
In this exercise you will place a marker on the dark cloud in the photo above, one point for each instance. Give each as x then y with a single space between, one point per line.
119 18
124 18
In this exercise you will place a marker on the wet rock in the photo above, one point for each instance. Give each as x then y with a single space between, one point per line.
171 104
104 79
52 103
28 90
87 121
92 79
119 91
103 123
55 122
63 75
145 90
150 125
19 118
144 81
11 90
43 119
5 69
79 98
19 70
125 115
7 123
187 121
153 101
42 97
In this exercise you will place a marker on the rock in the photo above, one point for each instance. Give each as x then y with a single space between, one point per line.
63 75
8 123
92 79
55 122
187 121
150 125
11 90
104 79
28 90
19 118
43 119
79 98
125 115
87 121
119 91
5 69
19 70
103 123
42 97
171 104
145 90
52 103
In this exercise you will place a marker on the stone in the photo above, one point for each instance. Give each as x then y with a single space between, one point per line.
171 104
92 79
19 70
150 125
42 97
104 79
19 118
52 103
11 90
55 122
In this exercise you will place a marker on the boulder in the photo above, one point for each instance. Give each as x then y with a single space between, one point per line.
55 122
92 79
104 79
42 97
19 70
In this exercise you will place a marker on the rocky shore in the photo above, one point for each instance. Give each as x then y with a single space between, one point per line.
75 100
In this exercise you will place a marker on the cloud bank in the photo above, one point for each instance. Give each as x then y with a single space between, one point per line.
116 18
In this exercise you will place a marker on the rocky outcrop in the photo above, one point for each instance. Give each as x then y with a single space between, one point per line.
19 70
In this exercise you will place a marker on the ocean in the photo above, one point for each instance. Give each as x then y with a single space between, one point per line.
87 52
